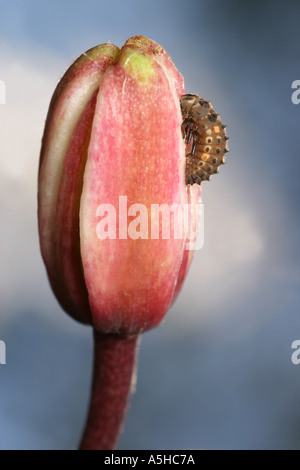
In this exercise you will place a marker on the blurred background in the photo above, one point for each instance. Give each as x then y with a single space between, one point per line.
217 374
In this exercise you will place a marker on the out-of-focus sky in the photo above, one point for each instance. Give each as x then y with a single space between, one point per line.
218 372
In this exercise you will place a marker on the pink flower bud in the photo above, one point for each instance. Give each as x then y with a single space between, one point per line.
112 155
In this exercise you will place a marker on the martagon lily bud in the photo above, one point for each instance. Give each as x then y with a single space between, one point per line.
113 160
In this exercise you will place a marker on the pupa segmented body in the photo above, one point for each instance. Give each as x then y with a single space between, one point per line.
203 129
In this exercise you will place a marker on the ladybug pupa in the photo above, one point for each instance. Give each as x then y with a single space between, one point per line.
203 129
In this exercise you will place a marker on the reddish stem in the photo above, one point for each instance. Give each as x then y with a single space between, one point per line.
114 368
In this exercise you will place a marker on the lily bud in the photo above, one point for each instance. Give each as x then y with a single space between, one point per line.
112 155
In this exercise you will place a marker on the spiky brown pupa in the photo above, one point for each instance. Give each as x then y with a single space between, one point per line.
203 128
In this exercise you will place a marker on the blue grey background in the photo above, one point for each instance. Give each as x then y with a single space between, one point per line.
217 373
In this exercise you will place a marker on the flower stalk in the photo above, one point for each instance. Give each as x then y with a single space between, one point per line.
113 378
